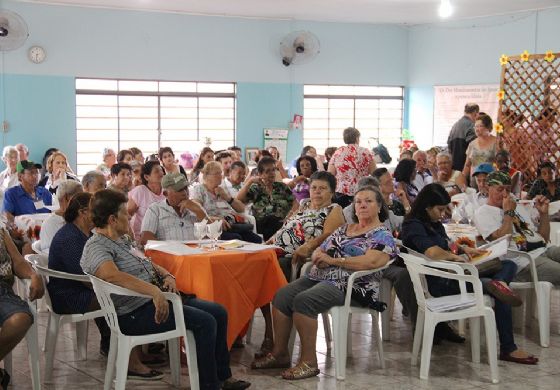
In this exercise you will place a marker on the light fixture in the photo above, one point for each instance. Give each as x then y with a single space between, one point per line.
445 10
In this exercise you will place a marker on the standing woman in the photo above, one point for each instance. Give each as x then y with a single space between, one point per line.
167 159
58 170
141 197
206 155
483 148
349 164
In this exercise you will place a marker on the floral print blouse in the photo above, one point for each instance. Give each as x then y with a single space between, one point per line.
341 245
305 224
351 163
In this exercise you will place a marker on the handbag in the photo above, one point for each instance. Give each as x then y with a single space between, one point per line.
241 227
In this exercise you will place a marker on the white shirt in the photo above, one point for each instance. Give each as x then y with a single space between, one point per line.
488 219
163 221
48 229
7 179
230 189
422 179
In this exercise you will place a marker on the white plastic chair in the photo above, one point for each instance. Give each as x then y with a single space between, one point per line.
121 344
31 337
543 292
475 305
56 321
342 331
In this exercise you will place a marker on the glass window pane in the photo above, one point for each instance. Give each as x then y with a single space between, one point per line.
166 86
143 86
96 84
216 88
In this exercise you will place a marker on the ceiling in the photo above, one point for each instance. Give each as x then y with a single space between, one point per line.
353 11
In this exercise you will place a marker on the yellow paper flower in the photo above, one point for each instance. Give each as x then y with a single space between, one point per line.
549 56
499 128
504 59
525 56
501 94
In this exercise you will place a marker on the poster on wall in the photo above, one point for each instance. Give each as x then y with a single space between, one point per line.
449 105
277 138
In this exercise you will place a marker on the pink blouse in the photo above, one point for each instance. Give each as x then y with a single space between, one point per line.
351 163
143 197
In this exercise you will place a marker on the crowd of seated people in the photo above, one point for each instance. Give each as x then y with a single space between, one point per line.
343 214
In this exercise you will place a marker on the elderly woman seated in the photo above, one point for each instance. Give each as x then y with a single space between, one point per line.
316 218
453 181
360 246
222 206
109 256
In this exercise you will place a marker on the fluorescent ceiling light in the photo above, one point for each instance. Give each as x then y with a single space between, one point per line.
445 9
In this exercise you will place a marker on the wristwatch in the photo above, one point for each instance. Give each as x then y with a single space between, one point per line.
230 201
510 213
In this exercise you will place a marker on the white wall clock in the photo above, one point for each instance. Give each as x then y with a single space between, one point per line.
37 54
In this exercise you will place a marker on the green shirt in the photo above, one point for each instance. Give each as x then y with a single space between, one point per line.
278 203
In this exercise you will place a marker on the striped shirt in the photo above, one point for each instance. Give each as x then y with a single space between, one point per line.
100 249
163 221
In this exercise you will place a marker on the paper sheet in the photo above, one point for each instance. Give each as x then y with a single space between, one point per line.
176 248
496 249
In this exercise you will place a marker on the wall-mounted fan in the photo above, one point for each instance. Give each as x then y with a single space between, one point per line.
299 47
13 30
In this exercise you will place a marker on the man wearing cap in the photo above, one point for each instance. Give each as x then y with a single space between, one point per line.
502 215
174 217
480 174
28 197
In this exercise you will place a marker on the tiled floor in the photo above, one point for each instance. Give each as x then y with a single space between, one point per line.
450 368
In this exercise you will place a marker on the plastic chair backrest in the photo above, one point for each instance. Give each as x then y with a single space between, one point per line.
103 290
416 269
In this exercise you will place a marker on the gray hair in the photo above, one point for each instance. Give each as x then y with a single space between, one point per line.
368 181
350 135
444 154
68 188
7 150
90 177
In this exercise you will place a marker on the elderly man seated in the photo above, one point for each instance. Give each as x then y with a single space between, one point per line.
453 181
480 174
15 315
502 215
28 197
174 217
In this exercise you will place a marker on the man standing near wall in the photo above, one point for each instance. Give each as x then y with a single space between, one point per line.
461 134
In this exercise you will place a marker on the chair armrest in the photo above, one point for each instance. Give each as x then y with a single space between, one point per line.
358 274
44 271
532 264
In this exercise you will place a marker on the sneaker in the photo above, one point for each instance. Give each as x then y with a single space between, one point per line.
153 375
235 384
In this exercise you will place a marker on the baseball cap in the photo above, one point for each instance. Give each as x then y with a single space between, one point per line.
26 164
498 179
176 181
483 168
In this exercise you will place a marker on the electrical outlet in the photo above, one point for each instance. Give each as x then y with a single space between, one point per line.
5 126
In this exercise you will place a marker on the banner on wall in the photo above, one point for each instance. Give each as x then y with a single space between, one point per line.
449 106
277 138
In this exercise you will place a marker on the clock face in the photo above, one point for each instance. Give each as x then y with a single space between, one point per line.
37 54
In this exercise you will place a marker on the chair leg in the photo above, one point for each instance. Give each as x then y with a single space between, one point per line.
174 362
378 339
291 341
50 344
47 332
385 293
250 330
190 347
111 360
81 339
123 355
340 328
327 330
33 347
8 363
349 337
490 331
544 291
427 341
417 337
474 325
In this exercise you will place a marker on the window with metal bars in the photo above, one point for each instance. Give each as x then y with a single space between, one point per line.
376 111
120 114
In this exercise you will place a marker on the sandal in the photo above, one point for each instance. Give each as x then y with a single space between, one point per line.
266 348
301 371
269 361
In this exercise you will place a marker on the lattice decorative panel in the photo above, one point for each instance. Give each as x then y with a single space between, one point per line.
529 110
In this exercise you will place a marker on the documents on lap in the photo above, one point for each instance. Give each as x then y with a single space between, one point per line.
494 249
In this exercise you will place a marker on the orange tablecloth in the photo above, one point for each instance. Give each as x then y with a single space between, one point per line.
240 281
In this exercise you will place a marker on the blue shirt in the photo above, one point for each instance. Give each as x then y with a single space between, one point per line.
68 296
18 202
420 236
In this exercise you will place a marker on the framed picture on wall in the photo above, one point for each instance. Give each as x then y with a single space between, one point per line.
250 154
